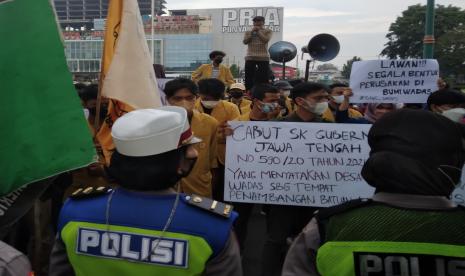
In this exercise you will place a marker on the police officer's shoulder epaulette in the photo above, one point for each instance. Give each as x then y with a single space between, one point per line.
326 213
213 206
89 192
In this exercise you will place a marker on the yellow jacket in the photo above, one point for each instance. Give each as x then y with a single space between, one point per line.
223 112
329 116
244 107
199 180
205 71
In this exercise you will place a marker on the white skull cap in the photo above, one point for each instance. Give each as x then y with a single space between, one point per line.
146 132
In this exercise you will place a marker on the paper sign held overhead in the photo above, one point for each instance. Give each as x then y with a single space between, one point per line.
394 81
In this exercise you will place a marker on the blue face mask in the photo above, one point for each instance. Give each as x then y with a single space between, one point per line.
268 107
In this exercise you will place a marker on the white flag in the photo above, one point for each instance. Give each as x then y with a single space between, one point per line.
131 78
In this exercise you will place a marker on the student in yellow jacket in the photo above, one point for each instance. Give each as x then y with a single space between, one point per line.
337 97
211 92
183 93
236 96
214 70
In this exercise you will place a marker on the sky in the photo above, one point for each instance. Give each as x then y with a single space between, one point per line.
359 25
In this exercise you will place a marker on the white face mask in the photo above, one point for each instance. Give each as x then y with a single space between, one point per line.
454 114
287 93
338 99
210 104
86 113
317 108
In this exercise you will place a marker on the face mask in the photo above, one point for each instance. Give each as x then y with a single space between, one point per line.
454 114
338 99
236 94
287 93
210 104
268 107
86 113
317 108
189 106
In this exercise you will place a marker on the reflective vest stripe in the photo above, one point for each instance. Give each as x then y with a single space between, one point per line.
369 258
95 249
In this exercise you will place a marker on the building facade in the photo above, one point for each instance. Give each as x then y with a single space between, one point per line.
229 25
82 13
182 40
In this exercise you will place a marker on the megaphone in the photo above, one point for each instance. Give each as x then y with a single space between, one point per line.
323 47
282 51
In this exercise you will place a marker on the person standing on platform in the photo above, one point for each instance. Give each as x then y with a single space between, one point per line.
257 60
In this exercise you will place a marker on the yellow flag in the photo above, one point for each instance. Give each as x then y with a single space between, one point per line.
127 77
112 30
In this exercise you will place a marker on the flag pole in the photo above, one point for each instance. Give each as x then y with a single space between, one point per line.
99 103
152 30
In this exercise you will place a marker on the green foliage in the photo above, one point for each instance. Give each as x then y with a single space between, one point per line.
405 36
347 68
234 70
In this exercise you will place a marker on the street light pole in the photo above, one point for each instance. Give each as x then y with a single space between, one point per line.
428 40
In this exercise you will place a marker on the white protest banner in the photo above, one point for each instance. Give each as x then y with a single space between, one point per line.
296 163
304 164
394 81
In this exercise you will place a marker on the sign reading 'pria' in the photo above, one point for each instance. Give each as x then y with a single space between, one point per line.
134 247
240 20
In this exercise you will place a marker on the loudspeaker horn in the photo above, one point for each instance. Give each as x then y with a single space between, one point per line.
282 51
323 47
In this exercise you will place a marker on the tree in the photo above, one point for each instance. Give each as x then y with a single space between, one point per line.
405 36
450 51
347 68
234 70
326 67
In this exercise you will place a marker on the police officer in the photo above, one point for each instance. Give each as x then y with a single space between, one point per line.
145 227
409 227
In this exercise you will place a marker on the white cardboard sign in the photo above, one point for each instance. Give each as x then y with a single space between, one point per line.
303 164
394 81
296 163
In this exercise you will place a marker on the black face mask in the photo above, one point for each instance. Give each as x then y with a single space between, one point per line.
218 60
236 94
